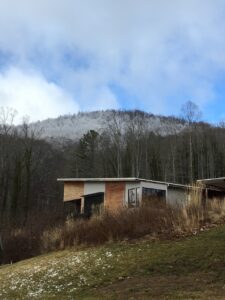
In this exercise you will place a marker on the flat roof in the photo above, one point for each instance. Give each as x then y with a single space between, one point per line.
126 179
213 182
99 179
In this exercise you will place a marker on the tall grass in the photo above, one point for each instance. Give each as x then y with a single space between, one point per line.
126 224
154 221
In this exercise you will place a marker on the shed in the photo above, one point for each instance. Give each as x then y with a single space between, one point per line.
213 188
91 195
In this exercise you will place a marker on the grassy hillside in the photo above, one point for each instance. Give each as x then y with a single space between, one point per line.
193 268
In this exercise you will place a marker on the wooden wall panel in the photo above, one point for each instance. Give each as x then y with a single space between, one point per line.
114 195
73 190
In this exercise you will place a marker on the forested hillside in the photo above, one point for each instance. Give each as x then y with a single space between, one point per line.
72 127
29 165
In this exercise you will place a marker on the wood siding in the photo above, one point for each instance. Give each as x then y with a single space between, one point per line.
73 190
114 195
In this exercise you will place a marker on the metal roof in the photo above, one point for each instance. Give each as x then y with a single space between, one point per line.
126 179
98 179
213 182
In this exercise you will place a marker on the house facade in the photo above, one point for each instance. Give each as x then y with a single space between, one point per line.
90 195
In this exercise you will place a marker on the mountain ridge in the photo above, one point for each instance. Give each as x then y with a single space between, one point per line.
74 126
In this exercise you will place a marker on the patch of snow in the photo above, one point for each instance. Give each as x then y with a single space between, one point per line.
73 127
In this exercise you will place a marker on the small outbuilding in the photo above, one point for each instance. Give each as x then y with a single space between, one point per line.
88 196
213 188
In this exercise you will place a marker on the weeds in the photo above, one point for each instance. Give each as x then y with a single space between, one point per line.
126 224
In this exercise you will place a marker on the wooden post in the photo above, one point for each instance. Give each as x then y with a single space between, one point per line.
82 205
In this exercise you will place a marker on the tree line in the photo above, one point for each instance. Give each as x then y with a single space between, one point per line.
29 166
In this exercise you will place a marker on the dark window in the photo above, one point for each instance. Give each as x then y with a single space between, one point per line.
93 204
153 196
72 208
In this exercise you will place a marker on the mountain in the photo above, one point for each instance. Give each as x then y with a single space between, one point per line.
72 127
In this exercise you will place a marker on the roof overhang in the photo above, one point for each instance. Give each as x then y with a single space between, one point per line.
124 179
214 183
93 194
179 186
132 179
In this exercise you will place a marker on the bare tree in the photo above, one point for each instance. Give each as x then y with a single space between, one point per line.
7 116
114 130
136 131
191 114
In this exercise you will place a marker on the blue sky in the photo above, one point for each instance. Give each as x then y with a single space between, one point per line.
60 57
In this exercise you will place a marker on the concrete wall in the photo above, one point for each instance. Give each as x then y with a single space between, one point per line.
114 195
73 190
176 196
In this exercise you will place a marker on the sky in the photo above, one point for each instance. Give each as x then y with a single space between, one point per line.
60 57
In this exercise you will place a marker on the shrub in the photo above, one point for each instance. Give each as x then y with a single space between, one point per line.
125 224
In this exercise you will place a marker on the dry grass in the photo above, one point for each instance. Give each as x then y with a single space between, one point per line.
191 268
161 222
152 221
197 214
120 225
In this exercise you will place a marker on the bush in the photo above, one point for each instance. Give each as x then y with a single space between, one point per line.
161 222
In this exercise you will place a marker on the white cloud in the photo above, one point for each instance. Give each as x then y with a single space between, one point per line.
31 95
102 98
154 50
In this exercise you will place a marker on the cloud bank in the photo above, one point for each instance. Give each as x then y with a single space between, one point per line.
33 96
87 55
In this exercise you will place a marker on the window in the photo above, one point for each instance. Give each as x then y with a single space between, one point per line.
72 208
153 197
133 197
93 204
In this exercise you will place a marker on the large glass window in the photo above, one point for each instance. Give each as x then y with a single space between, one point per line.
154 197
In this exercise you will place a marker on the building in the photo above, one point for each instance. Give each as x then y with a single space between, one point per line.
212 188
90 195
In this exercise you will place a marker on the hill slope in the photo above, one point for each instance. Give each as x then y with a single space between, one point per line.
191 268
72 127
